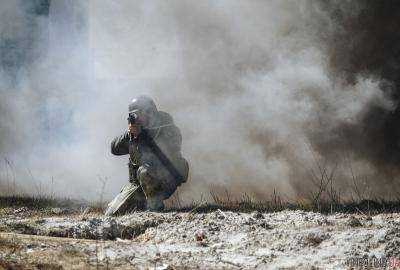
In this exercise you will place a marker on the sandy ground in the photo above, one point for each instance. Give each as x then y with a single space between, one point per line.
58 239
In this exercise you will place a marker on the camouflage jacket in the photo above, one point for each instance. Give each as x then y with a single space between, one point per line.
168 138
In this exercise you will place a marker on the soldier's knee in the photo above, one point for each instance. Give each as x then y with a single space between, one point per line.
155 185
143 173
148 182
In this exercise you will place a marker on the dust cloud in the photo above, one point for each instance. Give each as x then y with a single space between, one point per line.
264 92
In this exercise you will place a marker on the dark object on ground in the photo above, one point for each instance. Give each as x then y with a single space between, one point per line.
354 222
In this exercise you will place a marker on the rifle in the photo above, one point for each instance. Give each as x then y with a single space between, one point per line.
132 119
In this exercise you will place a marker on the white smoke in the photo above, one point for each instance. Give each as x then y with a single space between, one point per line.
247 83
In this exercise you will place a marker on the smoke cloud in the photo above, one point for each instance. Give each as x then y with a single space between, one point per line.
263 91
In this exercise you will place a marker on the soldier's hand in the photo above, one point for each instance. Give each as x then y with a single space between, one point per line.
134 130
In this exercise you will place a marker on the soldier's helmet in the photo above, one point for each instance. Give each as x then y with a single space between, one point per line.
143 104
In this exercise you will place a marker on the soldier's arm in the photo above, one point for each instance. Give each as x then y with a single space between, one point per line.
120 145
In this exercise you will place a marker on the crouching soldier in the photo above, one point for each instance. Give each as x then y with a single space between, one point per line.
156 165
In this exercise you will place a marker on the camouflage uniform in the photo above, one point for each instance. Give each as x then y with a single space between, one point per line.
150 181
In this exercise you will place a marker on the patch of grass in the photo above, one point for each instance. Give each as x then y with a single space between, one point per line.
97 207
226 202
23 228
6 243
4 264
276 203
35 202
10 265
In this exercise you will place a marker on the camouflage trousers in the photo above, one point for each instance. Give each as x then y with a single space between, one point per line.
147 190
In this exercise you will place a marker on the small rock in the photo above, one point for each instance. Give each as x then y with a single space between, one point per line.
314 239
257 215
220 214
250 221
200 236
213 227
324 221
265 225
21 210
252 228
56 211
354 222
30 246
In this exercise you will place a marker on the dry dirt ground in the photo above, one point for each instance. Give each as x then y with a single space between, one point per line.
59 239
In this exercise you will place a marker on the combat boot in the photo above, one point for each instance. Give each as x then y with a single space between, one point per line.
155 203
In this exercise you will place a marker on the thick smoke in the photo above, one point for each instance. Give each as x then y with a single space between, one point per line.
263 91
365 43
